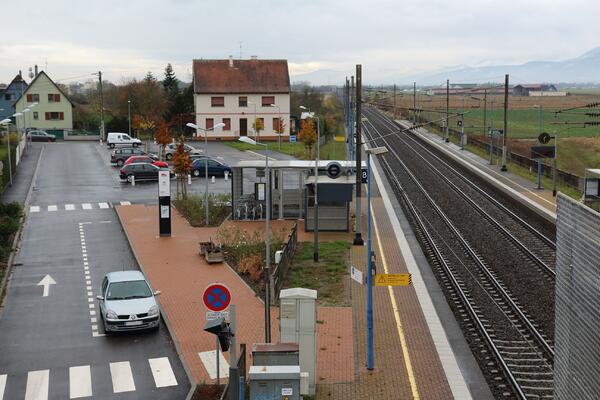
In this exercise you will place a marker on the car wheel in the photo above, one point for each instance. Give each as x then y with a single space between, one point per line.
130 178
135 144
112 145
120 163
169 157
196 173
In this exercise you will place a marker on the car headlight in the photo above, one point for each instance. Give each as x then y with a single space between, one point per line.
153 310
110 314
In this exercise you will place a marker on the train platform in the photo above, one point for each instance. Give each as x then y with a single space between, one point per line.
539 200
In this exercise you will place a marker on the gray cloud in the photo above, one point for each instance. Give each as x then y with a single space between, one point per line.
390 38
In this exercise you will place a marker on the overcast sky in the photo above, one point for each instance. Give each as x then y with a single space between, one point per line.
127 38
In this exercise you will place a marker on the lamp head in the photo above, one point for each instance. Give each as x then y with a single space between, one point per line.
247 140
219 125
5 121
191 125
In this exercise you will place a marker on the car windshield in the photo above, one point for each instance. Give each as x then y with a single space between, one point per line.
128 290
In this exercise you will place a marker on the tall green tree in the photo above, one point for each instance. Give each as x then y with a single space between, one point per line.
170 81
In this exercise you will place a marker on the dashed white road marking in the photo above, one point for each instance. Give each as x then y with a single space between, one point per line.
37 385
34 209
80 382
162 372
125 203
52 208
2 385
103 205
69 207
122 378
86 206
209 360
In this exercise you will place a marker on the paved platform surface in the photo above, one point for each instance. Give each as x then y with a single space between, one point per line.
542 197
173 266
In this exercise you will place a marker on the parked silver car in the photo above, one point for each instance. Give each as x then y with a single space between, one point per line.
127 302
171 148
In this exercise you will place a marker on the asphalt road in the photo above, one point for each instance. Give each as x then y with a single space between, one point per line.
53 347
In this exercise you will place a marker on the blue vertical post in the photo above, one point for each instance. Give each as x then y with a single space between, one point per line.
242 388
370 356
539 174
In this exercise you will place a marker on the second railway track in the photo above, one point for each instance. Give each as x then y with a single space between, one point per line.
500 289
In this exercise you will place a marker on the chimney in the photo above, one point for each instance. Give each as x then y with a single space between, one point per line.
20 74
254 58
36 71
230 61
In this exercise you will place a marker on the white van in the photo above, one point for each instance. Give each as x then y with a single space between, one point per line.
121 139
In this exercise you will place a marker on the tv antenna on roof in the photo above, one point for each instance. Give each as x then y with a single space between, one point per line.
240 42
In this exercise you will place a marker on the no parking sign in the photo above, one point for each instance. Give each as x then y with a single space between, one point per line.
216 298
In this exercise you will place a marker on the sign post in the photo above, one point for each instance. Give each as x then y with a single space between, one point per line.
164 202
216 298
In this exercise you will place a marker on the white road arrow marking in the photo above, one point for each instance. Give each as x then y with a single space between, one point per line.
46 282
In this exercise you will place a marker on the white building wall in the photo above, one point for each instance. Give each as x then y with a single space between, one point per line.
232 110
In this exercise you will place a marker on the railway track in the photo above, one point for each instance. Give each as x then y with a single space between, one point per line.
513 349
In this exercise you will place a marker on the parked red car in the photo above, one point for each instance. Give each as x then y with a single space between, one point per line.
146 160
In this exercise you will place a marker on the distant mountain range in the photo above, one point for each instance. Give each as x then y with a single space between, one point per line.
582 69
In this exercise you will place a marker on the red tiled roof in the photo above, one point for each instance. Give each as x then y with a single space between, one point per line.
246 76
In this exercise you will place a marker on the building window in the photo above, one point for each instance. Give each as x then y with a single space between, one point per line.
227 122
276 122
35 115
33 98
53 98
217 101
243 101
8 96
210 123
55 116
268 100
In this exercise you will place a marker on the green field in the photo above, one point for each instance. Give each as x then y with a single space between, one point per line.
525 123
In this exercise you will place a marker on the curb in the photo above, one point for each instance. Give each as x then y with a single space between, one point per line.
193 385
18 234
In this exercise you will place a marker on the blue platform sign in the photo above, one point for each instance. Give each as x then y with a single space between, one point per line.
292 138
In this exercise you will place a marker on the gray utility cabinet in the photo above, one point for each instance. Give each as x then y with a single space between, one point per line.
298 324
275 354
274 382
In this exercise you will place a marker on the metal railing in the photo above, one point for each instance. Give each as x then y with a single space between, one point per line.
278 275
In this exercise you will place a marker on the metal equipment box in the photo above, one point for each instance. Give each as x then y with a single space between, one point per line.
274 382
275 354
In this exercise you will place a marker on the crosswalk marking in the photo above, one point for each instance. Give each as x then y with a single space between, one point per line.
34 209
80 382
52 208
2 385
162 372
122 378
103 205
82 206
37 385
209 360
69 207
86 206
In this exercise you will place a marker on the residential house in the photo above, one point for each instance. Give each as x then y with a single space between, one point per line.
236 92
10 94
54 111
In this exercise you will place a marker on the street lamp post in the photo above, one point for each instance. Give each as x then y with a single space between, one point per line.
278 124
219 125
370 344
309 114
247 140
129 116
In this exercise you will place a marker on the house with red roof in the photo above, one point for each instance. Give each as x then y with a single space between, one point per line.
238 92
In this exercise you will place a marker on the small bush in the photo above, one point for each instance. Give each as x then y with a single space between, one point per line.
251 266
192 209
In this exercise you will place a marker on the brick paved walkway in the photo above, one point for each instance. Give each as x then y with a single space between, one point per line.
173 266
390 379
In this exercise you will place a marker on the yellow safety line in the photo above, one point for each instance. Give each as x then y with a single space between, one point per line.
407 362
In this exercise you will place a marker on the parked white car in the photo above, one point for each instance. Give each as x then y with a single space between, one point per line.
121 139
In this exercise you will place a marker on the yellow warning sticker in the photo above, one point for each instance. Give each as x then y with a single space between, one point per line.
392 279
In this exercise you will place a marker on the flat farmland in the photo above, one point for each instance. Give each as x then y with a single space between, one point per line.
523 118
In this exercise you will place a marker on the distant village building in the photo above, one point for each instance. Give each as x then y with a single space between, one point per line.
10 94
468 89
528 89
235 92
54 111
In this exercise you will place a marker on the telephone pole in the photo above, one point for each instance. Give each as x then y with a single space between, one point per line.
394 102
447 109
352 125
414 103
101 105
358 240
504 134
